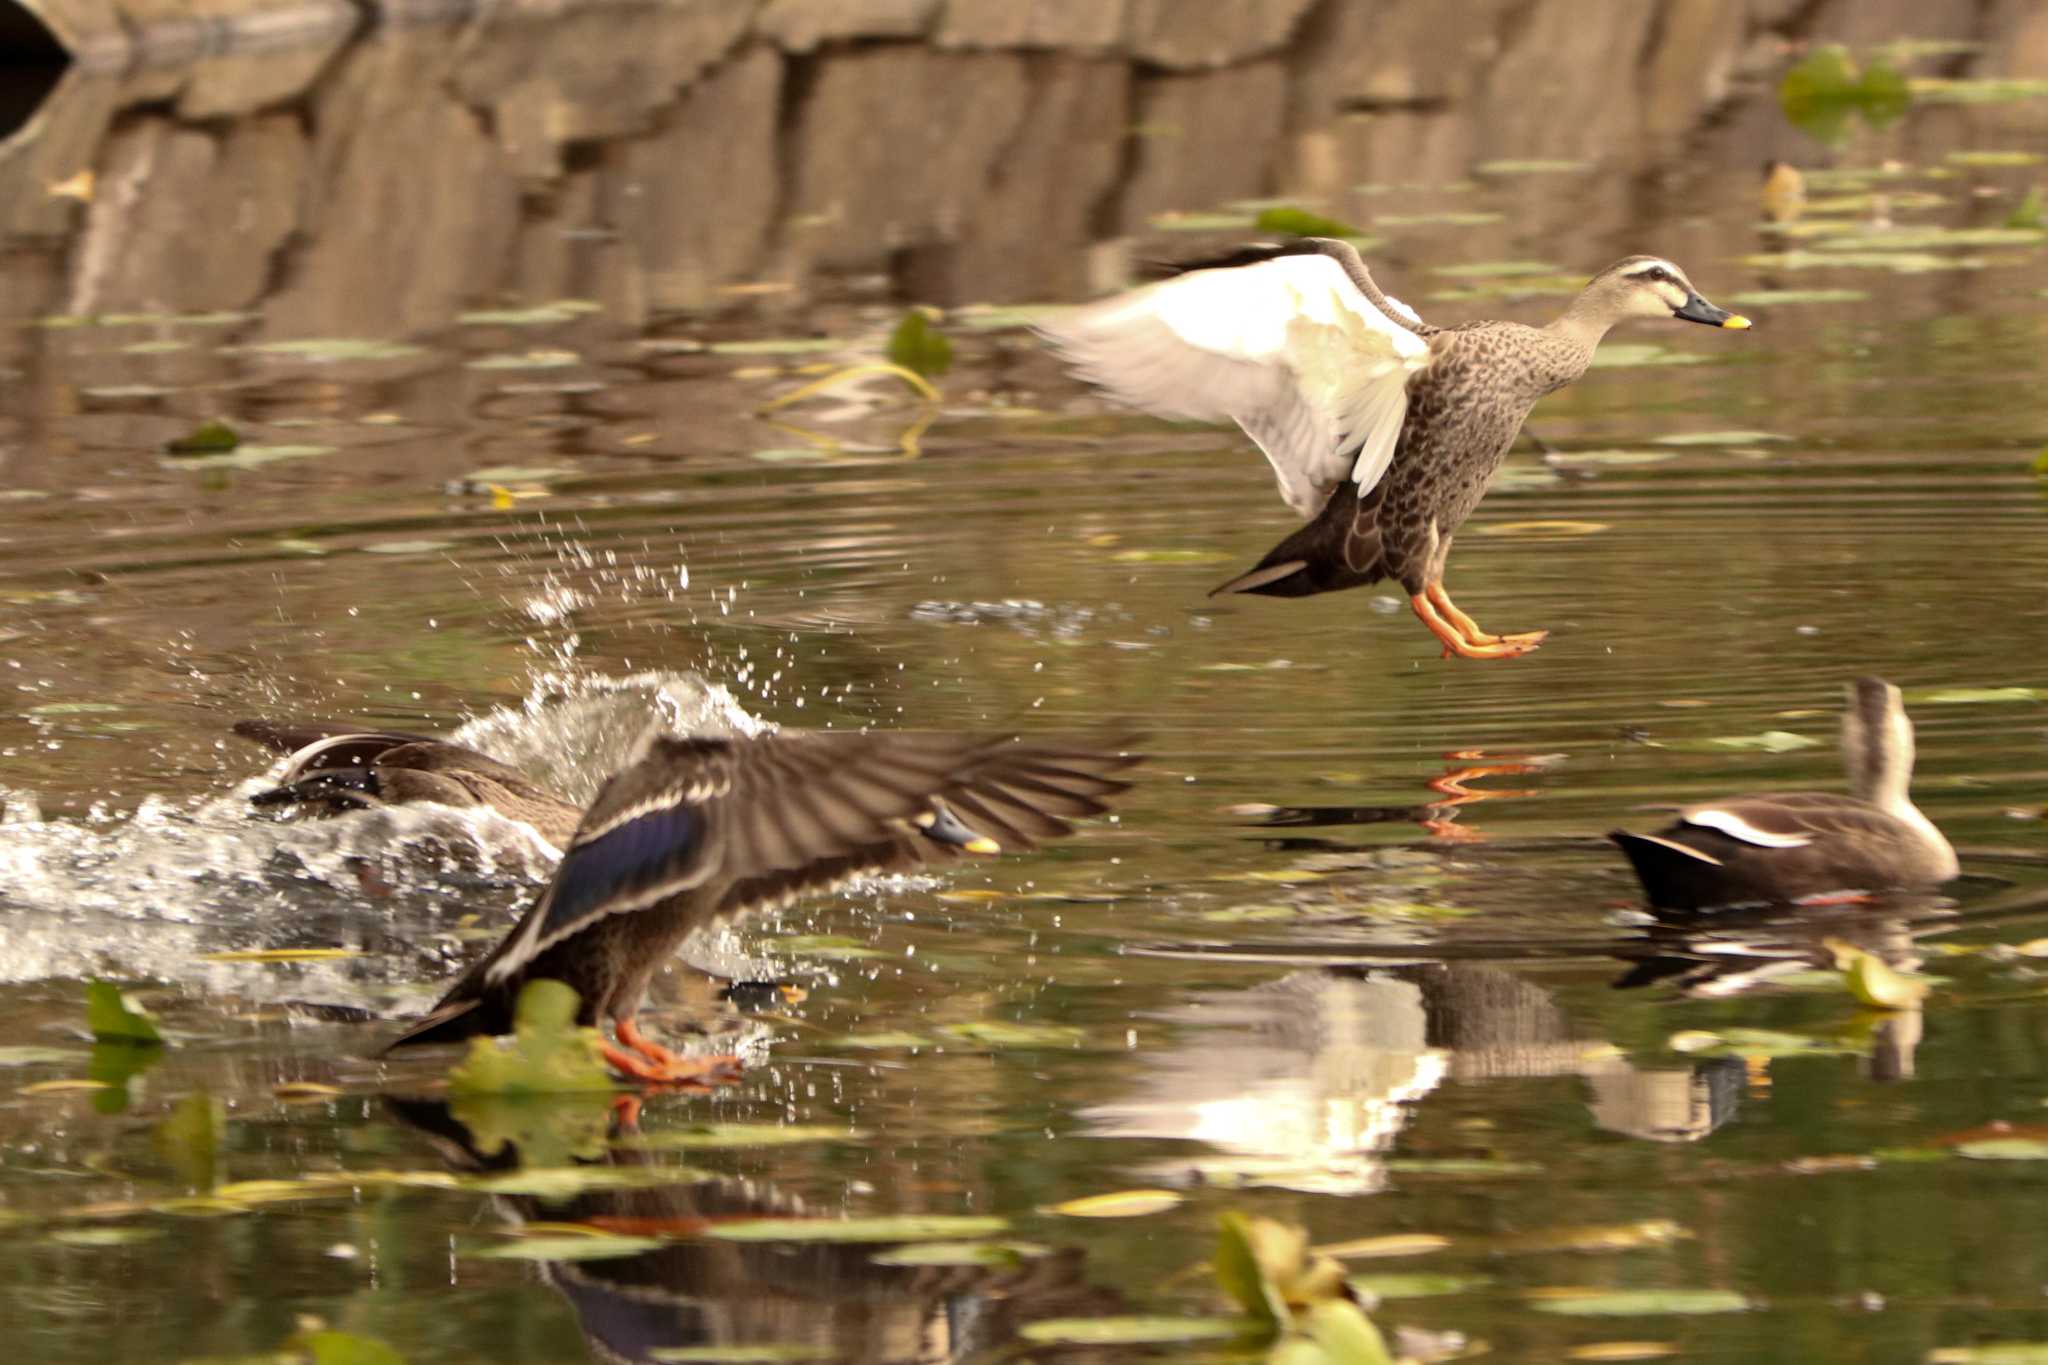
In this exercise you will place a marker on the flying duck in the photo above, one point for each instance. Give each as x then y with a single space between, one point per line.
1382 430
1790 846
697 831
336 768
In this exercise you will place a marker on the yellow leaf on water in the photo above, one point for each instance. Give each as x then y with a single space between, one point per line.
1393 1244
1873 981
281 955
61 1087
304 1090
1122 1204
1622 1350
1544 530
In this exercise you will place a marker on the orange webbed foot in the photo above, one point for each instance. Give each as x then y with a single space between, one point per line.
1461 635
654 1064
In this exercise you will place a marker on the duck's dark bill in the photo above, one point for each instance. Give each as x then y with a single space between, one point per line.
1698 309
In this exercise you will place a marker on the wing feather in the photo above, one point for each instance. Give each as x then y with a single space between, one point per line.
1288 347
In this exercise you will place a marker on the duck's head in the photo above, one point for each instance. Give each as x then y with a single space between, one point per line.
1652 287
1877 742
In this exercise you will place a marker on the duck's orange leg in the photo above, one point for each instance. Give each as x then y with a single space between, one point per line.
651 1062
1440 598
1456 641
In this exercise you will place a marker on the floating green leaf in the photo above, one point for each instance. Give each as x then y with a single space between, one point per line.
1932 238
751 1136
189 1138
568 1247
1901 262
1612 458
548 358
777 346
324 1347
919 347
1719 438
1120 1204
547 1055
205 439
1344 1335
1769 742
909 1227
1298 222
407 547
1993 157
830 947
2004 1149
1473 270
1977 90
1973 696
1532 166
879 1041
331 349
1130 1331
1463 1166
1766 298
1418 1286
540 315
962 1253
38 1056
1633 1303
2030 214
565 1182
1010 1033
756 1353
1825 90
251 456
1169 556
1992 1353
113 1019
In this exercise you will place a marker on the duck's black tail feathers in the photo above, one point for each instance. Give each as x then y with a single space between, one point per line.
1320 557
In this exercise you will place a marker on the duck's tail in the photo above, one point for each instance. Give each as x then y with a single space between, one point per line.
1671 872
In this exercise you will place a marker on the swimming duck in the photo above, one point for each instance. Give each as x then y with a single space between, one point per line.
1382 430
699 831
1789 846
336 768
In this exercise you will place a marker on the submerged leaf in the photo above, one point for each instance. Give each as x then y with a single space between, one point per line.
602 1247
1122 1204
748 1135
961 1253
189 1137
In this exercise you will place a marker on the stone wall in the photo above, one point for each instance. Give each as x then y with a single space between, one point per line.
376 167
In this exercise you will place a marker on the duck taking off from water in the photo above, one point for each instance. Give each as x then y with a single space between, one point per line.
695 832
1790 846
1382 430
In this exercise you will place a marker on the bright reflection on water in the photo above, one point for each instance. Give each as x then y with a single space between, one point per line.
1352 954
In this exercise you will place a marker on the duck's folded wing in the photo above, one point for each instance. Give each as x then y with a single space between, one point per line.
315 745
768 818
1785 820
1287 346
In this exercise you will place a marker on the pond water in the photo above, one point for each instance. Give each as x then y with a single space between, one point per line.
1352 954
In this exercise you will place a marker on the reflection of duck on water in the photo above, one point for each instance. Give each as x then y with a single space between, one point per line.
831 1298
1440 817
1306 1082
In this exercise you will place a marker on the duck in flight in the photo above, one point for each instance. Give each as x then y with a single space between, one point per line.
1382 430
699 831
1787 846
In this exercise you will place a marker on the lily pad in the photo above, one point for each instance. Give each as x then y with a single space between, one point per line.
1901 262
1993 157
1532 166
1932 238
119 1236
566 1248
962 1253
1757 1042
1122 1204
777 346
751 1354
877 1042
1391 1244
912 1227
1418 1286
251 456
540 315
2004 1149
566 1182
830 947
1767 298
1543 530
1972 696
38 1056
1169 556
1130 1331
548 1054
1977 90
1476 270
1611 458
1001 1033
1769 742
1719 438
1992 1353
539 359
752 1136
1299 222
331 349
1631 1303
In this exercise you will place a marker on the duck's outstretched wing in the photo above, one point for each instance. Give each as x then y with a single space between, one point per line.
1294 344
764 819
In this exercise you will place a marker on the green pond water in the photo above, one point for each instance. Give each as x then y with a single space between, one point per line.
1351 954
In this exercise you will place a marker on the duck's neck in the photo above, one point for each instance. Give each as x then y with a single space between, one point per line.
1582 326
1880 772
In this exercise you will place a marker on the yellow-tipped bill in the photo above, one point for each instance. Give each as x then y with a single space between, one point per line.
981 843
1736 322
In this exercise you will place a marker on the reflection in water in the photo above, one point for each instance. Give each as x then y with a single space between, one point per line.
832 1298
1440 818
